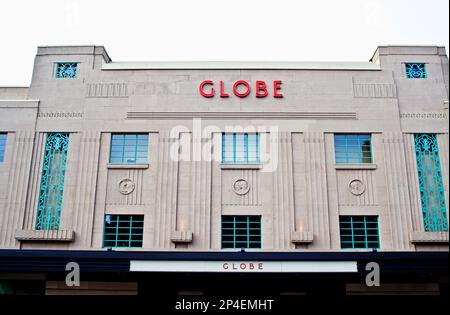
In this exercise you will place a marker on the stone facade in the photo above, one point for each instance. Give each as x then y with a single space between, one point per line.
300 198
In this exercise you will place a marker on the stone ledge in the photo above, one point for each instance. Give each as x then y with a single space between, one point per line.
302 237
241 166
429 237
45 235
181 236
355 166
127 166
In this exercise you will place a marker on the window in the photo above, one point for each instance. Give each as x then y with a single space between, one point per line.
353 148
2 146
240 148
66 70
129 148
359 232
415 71
123 231
432 195
241 231
52 181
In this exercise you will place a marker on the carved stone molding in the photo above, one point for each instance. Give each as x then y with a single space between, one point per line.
302 237
45 235
181 236
429 237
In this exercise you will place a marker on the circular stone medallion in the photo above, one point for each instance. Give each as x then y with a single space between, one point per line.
357 187
241 186
126 186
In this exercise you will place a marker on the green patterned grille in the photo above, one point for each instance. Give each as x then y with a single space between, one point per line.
431 186
52 182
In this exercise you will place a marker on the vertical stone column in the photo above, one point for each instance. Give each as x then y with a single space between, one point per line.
84 173
12 215
413 183
283 194
166 193
201 199
316 190
398 202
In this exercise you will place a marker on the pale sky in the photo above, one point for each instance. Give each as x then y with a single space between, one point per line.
148 30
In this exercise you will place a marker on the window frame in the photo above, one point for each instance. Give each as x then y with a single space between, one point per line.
235 219
246 150
123 151
347 158
118 227
352 234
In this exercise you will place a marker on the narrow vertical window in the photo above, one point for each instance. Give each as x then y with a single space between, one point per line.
415 71
52 182
240 148
2 146
431 186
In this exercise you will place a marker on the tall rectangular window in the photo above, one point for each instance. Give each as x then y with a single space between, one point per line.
123 231
359 232
52 182
3 137
432 195
240 148
415 71
128 148
353 148
241 231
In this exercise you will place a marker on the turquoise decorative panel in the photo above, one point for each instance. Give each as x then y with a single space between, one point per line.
52 182
415 71
66 70
431 187
3 137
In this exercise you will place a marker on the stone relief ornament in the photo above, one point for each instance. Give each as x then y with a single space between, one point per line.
357 187
241 186
126 186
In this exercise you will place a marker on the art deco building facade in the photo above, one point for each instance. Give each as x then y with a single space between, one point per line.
208 167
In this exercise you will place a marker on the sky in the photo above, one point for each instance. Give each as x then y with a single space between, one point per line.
260 30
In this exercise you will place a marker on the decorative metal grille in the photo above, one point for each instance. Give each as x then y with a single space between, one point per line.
240 148
241 231
123 231
3 137
359 232
353 148
431 187
52 182
129 148
415 71
66 70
